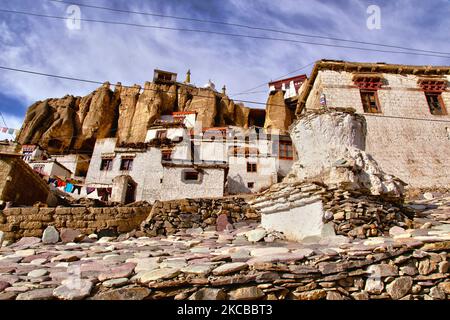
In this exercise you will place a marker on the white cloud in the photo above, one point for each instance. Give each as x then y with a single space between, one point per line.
129 54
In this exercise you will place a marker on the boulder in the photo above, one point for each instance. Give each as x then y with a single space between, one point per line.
246 293
70 235
399 287
50 235
128 293
73 289
208 294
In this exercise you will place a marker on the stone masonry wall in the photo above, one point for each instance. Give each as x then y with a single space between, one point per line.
416 151
170 216
351 213
410 272
31 222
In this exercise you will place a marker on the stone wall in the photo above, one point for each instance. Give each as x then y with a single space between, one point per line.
307 210
170 217
412 271
31 222
406 139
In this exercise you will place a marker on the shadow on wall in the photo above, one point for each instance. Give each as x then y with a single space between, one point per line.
236 185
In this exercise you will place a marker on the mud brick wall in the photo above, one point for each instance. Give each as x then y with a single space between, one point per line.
31 222
169 216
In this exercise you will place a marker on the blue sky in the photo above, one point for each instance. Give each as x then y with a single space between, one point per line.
129 54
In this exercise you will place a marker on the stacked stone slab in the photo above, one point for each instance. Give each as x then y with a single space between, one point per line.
169 217
350 193
350 213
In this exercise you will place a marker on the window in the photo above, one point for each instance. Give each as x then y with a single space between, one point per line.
39 168
286 151
370 101
26 156
126 164
250 185
106 165
435 103
166 155
161 134
191 175
251 167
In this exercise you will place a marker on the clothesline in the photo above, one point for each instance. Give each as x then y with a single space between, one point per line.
9 130
72 186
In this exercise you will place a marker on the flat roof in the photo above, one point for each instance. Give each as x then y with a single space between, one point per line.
367 67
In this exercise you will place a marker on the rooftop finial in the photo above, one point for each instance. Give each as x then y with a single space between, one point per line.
188 76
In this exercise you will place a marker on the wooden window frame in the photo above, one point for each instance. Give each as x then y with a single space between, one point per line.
161 134
126 164
440 101
187 176
283 150
252 167
107 167
377 101
166 155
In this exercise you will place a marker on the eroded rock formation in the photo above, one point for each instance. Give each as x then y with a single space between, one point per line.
278 115
74 123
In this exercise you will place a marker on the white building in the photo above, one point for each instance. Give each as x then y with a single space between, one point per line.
141 174
40 161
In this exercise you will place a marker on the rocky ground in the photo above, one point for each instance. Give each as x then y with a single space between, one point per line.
241 264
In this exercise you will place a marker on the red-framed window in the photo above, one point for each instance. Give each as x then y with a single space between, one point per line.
286 151
435 103
369 99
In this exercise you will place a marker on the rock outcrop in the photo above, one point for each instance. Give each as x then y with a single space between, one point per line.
278 115
206 106
74 123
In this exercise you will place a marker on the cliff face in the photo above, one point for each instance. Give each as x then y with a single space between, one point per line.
74 123
278 115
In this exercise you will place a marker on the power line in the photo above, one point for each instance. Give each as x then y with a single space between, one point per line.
244 26
114 85
221 33
248 101
278 78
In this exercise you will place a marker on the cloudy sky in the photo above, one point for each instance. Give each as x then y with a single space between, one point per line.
105 52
